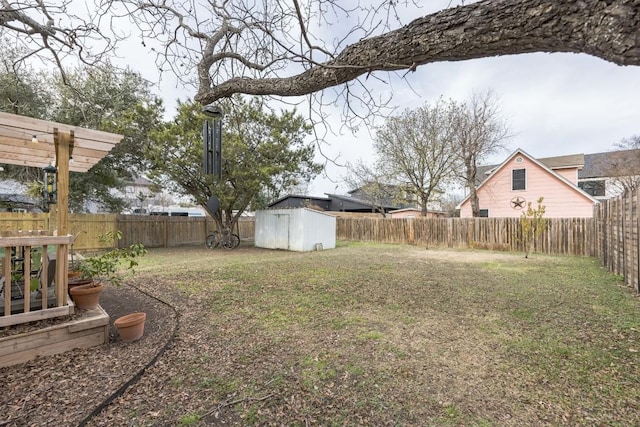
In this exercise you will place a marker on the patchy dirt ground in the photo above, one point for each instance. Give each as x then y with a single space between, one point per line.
63 389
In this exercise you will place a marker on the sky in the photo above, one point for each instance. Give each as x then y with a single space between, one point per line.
554 104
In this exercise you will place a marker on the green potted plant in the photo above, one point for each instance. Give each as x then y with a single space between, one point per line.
75 275
105 268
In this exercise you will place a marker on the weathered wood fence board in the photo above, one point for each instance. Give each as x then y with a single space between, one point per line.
167 232
87 229
563 236
618 244
10 221
152 231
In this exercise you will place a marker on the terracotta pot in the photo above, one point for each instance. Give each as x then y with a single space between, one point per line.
130 327
86 296
72 283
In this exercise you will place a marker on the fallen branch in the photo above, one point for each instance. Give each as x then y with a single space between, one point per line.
235 402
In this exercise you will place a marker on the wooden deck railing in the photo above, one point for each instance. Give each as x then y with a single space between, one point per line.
16 270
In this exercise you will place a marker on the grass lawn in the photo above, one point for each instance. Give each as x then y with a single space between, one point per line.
390 335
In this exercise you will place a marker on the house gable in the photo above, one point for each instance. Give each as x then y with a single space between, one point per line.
501 198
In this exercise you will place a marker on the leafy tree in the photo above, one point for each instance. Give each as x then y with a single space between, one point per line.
118 102
415 150
100 98
23 90
479 132
262 152
26 92
533 224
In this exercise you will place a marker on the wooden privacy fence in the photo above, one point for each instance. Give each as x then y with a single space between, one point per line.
563 236
167 232
152 231
618 243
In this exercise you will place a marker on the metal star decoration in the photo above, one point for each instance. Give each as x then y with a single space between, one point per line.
518 202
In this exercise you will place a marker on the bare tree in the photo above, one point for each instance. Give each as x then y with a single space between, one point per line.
479 132
372 185
631 143
415 150
625 165
283 48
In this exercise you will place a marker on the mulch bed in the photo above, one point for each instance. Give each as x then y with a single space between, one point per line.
64 389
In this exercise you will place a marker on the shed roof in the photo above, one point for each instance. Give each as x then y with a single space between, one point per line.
17 148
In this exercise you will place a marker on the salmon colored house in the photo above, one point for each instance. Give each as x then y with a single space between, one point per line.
416 213
521 179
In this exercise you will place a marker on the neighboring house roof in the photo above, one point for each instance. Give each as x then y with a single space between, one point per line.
406 210
559 162
611 164
562 179
350 203
417 210
483 171
333 202
12 195
299 201
556 162
11 186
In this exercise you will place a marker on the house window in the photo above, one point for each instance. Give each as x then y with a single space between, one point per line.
518 179
484 213
593 188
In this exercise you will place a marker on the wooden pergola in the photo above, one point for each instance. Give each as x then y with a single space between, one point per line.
26 141
38 143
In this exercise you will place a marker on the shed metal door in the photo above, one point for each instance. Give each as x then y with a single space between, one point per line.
282 233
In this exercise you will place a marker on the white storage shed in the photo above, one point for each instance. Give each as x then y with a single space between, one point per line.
298 229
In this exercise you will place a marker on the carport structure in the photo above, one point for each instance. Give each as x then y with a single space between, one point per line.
26 141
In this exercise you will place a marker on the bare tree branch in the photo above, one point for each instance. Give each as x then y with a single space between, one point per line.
71 36
303 48
489 28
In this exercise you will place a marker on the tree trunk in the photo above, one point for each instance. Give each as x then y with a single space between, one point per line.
471 171
475 203
606 29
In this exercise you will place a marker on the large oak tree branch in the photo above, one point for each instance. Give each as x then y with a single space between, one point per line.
606 29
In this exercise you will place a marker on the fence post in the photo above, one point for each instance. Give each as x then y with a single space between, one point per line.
412 232
636 261
165 233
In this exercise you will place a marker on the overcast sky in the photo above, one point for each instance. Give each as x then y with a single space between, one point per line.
554 104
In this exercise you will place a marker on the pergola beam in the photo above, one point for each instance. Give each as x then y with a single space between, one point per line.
16 147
